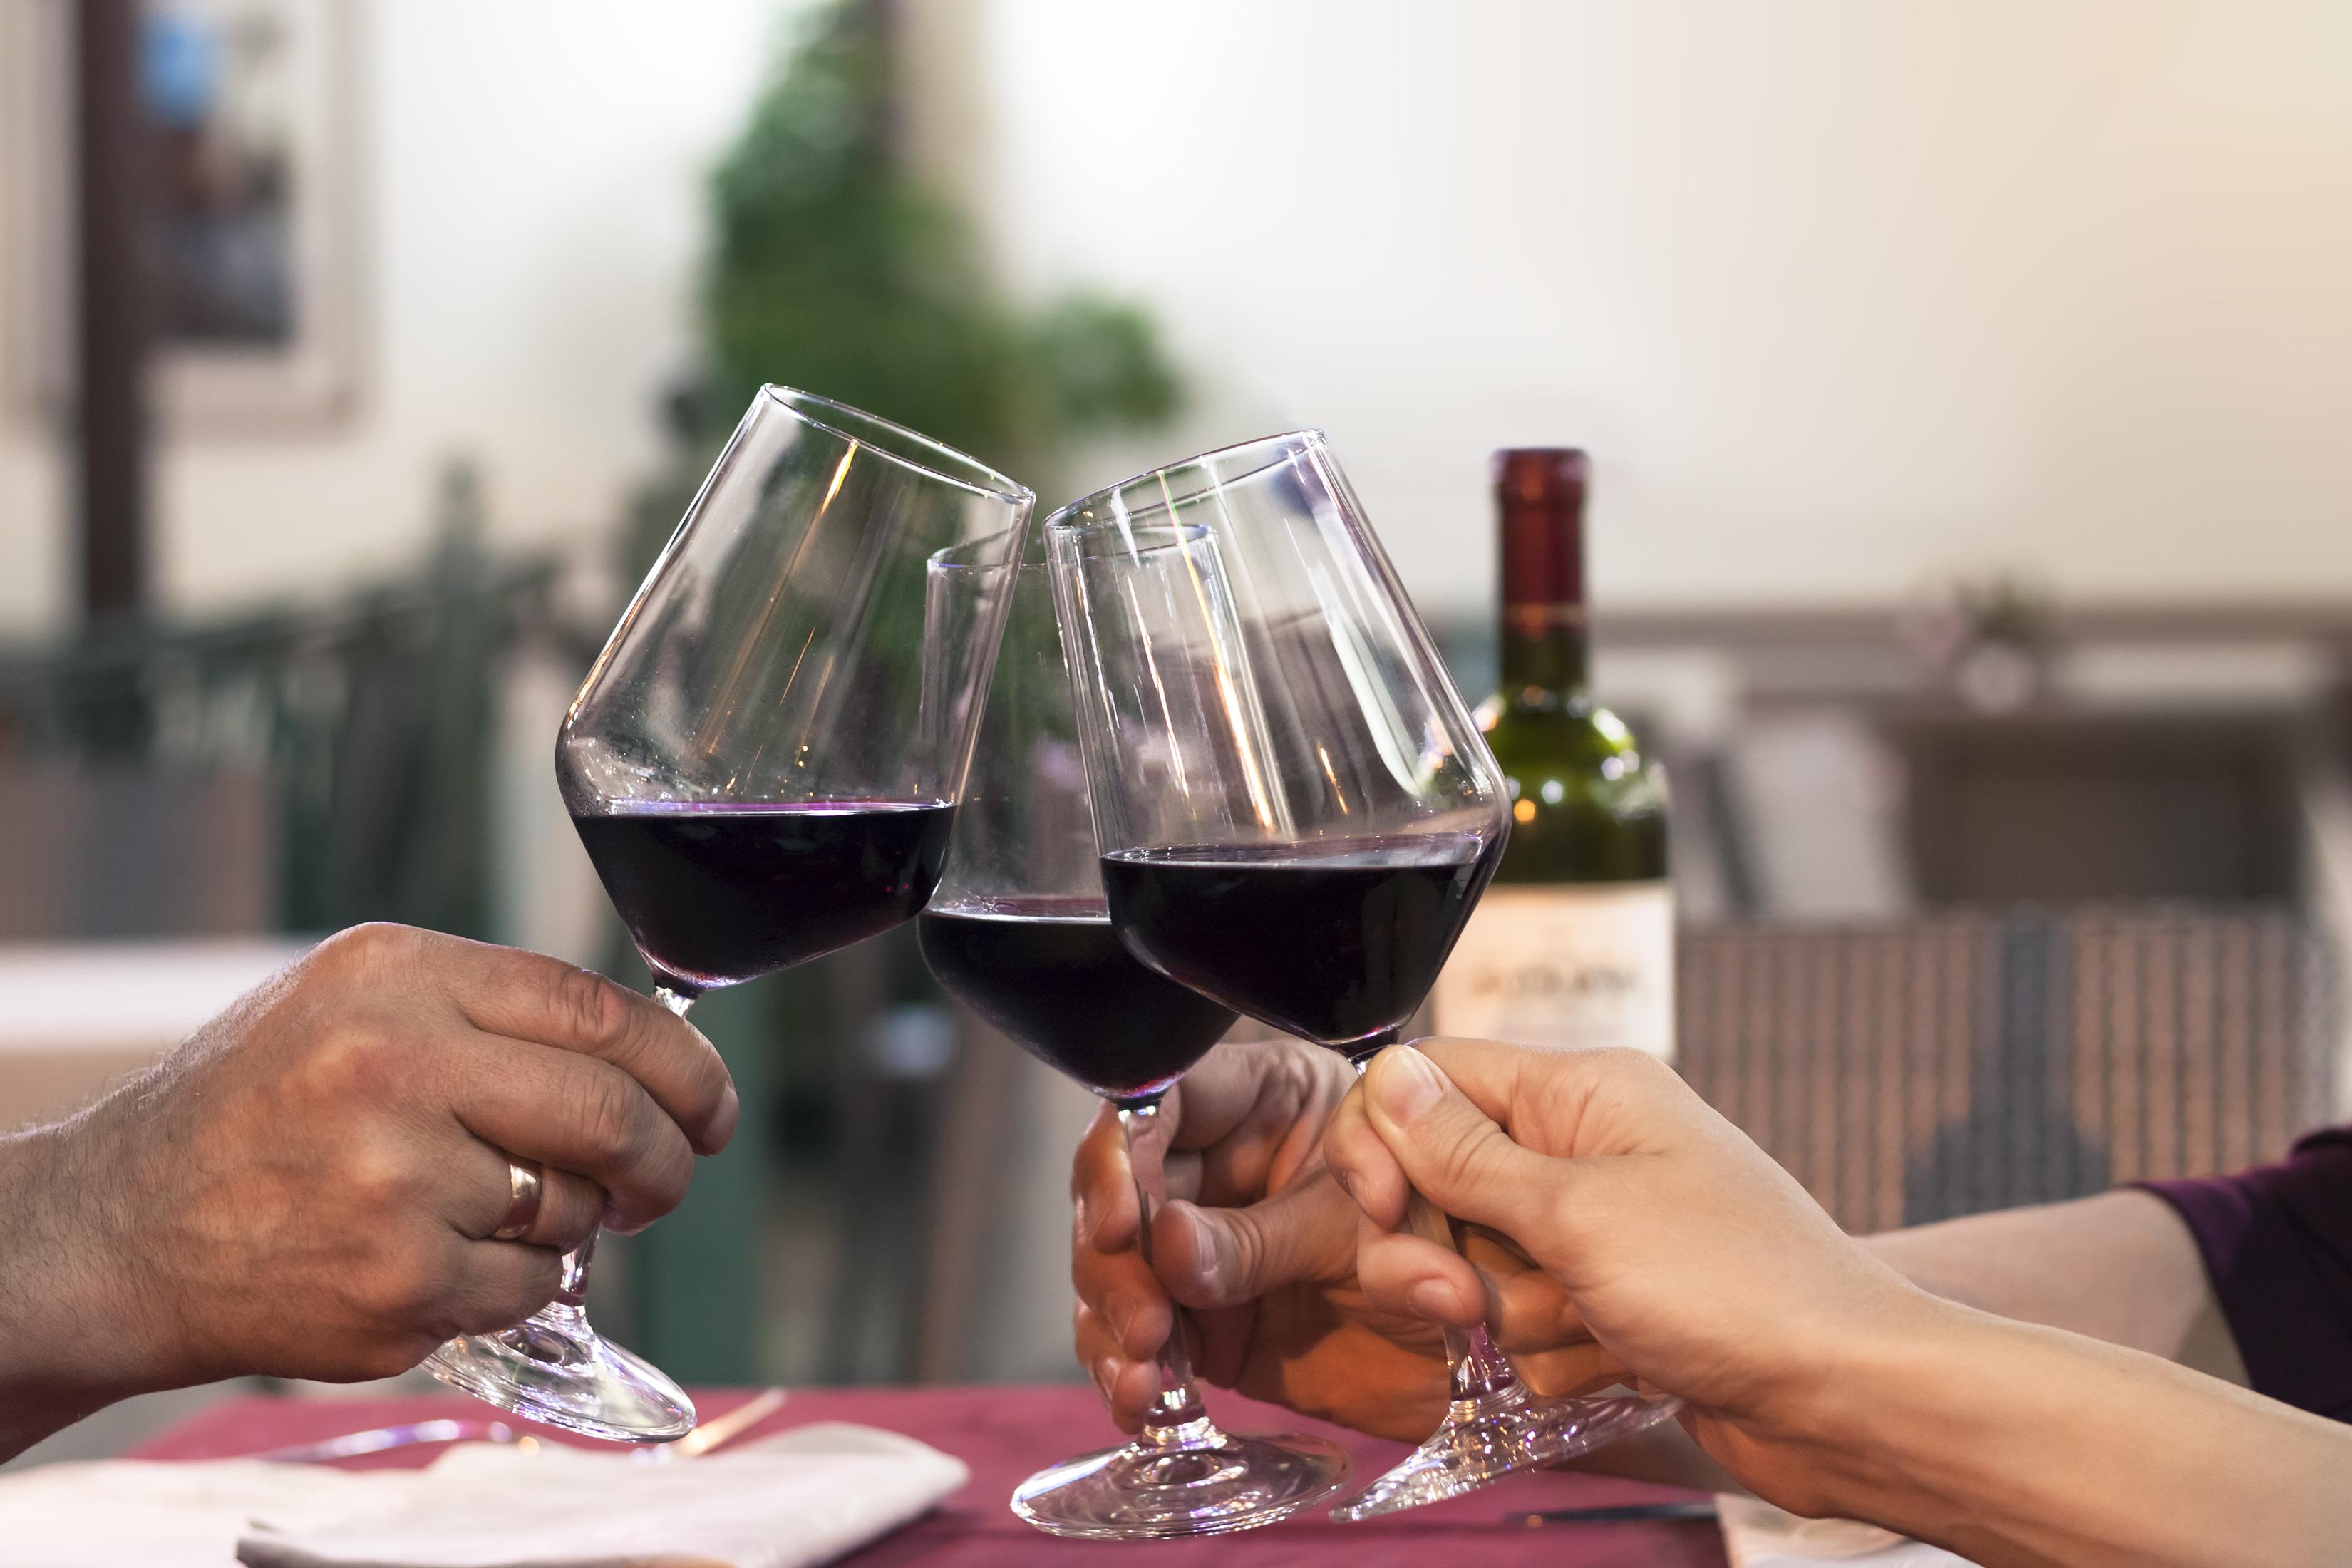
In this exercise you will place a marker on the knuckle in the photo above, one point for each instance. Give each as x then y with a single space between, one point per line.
378 1175
408 1284
605 1121
571 1224
368 946
352 1061
1238 1258
596 1010
1472 1160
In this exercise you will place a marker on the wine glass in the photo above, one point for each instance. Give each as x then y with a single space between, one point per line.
1296 815
1019 932
763 765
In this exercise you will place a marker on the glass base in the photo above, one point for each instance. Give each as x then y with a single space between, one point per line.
554 1367
1484 1439
1191 1479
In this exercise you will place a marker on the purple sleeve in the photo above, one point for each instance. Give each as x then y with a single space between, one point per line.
2277 1242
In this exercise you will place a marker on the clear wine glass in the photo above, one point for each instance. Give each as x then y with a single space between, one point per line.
763 765
1019 932
1296 815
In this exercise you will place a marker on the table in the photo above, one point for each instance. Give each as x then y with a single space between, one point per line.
1005 1434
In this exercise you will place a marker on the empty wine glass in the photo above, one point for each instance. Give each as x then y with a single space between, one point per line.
1297 813
763 765
1019 932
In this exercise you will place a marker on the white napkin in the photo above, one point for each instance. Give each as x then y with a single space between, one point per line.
1758 1535
802 1498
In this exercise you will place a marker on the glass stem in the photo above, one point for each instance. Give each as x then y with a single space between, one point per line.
572 1286
1177 1404
1478 1370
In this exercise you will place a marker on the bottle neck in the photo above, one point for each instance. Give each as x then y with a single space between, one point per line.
1545 648
1539 497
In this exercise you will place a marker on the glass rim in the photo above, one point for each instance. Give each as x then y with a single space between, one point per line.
931 458
1286 443
975 554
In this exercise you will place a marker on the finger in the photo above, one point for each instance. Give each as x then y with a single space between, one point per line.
1127 1383
1573 1103
570 1207
1259 1120
1210 1099
1129 1305
1526 1310
578 1114
1224 1256
1402 1273
1453 1153
502 1283
1102 1187
1363 1164
1120 1293
1584 1368
1532 1311
529 996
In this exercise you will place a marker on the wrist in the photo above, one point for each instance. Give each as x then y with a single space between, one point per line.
72 1316
1879 1400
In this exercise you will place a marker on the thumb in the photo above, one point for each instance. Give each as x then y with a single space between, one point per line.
1457 1157
1226 1257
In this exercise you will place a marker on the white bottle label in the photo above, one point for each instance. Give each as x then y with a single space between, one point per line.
1566 965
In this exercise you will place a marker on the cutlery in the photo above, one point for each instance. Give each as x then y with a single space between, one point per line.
378 1440
1619 1513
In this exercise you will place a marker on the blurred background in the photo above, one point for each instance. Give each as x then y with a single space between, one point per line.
1966 383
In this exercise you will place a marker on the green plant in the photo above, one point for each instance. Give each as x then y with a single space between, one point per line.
835 269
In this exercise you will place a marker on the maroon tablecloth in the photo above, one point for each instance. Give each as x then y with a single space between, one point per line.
1005 1434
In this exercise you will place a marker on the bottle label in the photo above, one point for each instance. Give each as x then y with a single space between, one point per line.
1566 965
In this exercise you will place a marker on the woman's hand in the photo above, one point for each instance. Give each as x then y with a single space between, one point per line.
1671 1240
1816 1375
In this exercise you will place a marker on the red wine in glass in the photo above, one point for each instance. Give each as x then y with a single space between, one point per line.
761 765
1296 815
1052 975
1020 932
1336 940
721 892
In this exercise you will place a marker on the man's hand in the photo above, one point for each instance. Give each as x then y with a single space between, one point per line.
1265 1252
306 1186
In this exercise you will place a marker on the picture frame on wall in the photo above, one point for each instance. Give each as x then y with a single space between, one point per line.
253 217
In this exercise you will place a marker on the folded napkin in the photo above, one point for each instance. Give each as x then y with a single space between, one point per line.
802 1498
1758 1535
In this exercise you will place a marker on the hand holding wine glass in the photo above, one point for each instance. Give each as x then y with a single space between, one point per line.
1020 931
1681 1247
1261 1241
1297 813
763 765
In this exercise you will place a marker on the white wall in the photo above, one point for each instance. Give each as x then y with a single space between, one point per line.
533 191
1843 295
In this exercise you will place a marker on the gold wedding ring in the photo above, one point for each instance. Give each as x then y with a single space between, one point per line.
526 1180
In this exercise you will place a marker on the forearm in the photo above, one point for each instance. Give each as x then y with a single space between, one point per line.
2120 1267
2014 1444
66 1343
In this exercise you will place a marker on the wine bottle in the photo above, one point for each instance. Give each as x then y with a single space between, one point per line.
1574 943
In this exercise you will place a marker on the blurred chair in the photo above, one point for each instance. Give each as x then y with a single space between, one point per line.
124 849
297 770
1915 1069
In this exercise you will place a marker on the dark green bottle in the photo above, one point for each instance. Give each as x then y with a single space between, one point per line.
1573 943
